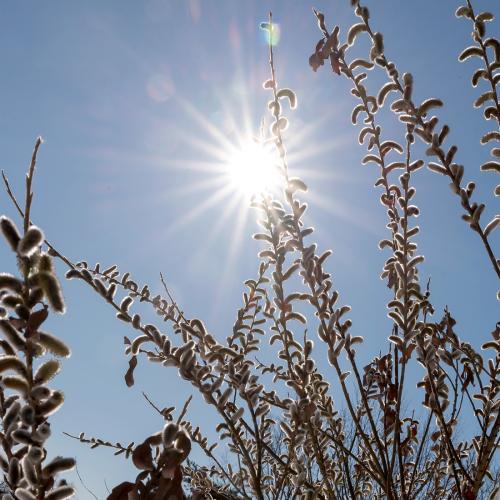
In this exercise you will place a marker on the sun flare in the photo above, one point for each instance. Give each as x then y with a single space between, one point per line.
253 169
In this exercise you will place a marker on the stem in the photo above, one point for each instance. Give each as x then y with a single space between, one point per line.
29 180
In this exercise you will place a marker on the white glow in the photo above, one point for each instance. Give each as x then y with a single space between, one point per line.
252 169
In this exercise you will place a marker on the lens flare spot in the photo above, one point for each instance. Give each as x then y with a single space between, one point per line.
160 87
271 33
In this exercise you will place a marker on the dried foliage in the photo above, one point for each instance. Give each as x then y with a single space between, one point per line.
289 437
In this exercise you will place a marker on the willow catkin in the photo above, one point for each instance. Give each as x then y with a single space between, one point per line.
57 465
53 344
12 363
52 290
15 383
14 473
169 433
28 415
12 335
10 232
43 432
10 282
29 243
60 493
11 414
24 494
45 264
22 436
47 371
35 296
51 404
35 454
40 392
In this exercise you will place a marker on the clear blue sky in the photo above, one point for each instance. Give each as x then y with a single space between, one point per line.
127 95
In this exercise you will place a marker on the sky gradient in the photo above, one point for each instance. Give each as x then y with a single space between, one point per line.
139 103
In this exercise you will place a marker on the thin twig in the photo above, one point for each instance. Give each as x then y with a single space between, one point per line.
151 403
167 291
84 485
184 410
21 213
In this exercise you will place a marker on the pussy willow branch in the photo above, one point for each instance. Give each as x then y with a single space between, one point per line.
70 264
172 301
407 303
399 399
419 453
227 419
280 146
383 468
441 154
393 218
488 443
95 442
282 322
40 488
496 266
279 282
143 330
21 213
192 436
455 459
479 39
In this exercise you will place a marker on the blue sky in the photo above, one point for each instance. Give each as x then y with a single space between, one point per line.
132 99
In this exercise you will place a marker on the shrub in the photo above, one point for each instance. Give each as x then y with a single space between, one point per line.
291 433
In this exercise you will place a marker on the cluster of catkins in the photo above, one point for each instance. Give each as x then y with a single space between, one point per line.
26 400
161 476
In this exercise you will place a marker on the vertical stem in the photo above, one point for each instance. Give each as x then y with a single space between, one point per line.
29 181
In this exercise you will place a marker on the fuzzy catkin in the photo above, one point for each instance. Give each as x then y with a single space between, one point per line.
10 232
24 494
52 290
58 464
60 493
53 344
30 241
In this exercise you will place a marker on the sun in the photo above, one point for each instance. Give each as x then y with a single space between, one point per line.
253 169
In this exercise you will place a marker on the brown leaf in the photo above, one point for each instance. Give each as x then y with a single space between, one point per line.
469 494
142 457
316 60
17 323
121 491
129 376
392 394
171 488
335 62
496 332
35 320
467 377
